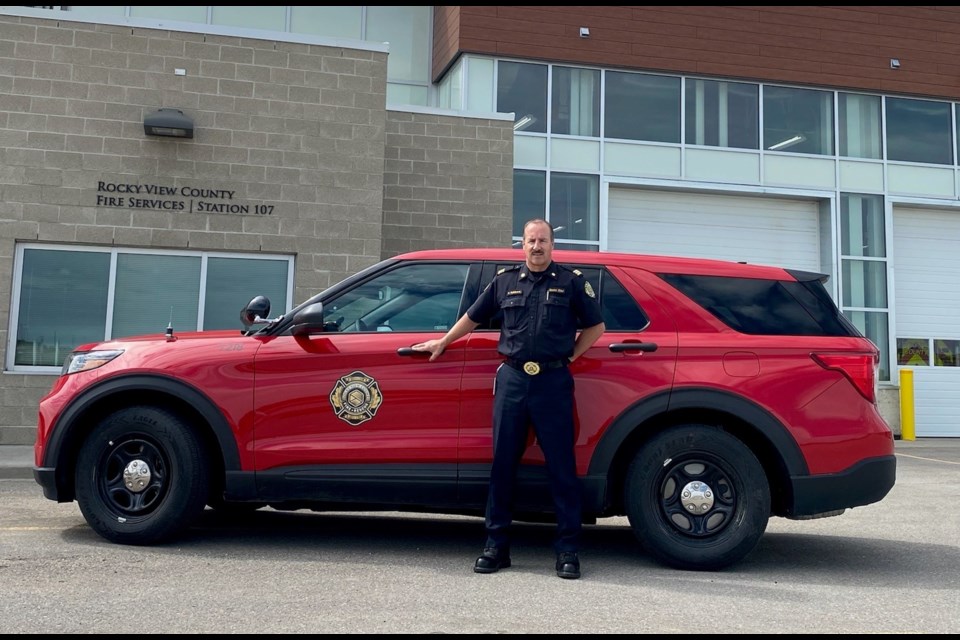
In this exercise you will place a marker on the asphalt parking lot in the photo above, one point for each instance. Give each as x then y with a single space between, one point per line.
889 567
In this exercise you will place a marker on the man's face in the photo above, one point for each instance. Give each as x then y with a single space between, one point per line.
537 246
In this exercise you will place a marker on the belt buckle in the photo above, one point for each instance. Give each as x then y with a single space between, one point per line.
531 368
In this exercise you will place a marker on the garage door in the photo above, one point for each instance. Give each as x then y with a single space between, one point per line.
926 264
759 230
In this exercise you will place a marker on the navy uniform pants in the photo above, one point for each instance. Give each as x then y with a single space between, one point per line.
546 401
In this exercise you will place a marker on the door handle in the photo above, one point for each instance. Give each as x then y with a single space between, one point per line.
619 347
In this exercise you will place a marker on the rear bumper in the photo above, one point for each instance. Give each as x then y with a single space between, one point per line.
864 483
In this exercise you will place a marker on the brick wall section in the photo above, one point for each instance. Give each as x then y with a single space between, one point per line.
841 47
298 126
448 182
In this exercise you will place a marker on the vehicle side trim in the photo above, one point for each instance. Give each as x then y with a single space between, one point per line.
395 484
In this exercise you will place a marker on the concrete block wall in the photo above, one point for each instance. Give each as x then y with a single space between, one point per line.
298 126
448 182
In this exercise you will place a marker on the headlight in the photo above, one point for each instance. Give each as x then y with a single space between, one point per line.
87 360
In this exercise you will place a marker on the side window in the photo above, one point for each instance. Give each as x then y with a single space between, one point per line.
418 297
620 311
758 306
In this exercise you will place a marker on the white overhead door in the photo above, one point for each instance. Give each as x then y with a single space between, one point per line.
760 230
926 266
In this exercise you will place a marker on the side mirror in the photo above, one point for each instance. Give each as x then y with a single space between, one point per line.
257 311
308 320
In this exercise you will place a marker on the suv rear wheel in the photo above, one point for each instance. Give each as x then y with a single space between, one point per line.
697 498
140 476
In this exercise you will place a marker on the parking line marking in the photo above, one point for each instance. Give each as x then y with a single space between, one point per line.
907 455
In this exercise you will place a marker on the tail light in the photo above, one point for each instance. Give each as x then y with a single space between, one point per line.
859 368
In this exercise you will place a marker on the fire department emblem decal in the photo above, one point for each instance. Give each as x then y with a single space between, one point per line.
355 398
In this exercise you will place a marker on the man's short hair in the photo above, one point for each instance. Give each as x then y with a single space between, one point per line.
537 221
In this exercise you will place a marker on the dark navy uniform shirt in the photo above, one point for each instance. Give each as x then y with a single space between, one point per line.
541 312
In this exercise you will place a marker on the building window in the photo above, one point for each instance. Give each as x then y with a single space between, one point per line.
913 352
860 127
575 206
946 353
722 114
67 296
575 107
864 270
642 107
797 120
529 198
919 131
522 89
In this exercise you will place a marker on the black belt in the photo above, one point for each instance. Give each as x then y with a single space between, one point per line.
532 367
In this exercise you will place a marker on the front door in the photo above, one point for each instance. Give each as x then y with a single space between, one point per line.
353 411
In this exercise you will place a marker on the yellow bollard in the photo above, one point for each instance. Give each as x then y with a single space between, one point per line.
906 405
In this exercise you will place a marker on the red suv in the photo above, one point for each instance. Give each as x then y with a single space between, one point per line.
721 394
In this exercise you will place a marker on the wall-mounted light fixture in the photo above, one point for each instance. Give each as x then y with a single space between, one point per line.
789 142
894 63
168 122
584 32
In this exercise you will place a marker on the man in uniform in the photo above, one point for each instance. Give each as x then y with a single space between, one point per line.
543 303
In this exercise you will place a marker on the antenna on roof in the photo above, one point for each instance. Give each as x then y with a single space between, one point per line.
169 332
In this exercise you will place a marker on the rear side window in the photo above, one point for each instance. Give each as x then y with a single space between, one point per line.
620 310
766 307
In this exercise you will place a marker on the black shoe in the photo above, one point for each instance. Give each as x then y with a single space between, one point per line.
568 565
492 560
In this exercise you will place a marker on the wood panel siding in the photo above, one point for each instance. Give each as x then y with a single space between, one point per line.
839 47
446 39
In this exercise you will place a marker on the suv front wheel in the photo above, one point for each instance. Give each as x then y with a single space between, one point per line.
697 498
141 476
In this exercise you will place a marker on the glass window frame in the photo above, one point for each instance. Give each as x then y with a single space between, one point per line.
860 126
643 117
110 285
903 138
798 131
528 117
530 200
713 113
575 101
563 218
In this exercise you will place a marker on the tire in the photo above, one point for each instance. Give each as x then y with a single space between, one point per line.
165 486
725 484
